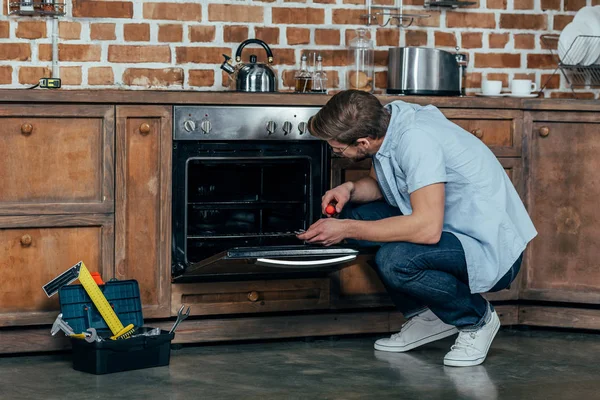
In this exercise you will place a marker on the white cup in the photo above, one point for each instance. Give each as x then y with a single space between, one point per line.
491 88
521 87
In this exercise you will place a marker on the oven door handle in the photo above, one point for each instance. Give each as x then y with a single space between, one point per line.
271 262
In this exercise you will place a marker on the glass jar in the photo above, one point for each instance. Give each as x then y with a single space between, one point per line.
361 68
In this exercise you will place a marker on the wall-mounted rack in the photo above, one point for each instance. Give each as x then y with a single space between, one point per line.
383 15
37 8
447 3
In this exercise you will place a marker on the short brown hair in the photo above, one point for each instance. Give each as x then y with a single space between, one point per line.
349 116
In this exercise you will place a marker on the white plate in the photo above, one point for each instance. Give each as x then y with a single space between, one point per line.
588 21
525 96
571 51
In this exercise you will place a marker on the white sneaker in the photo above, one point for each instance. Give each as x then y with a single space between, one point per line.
417 331
471 348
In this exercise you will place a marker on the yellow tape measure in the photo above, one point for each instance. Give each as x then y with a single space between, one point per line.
111 319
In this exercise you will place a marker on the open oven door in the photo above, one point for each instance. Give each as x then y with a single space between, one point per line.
268 260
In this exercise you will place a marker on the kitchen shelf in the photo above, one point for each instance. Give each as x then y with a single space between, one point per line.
448 3
570 64
58 9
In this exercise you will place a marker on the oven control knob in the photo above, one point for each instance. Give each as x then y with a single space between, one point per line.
303 128
189 125
206 126
271 126
287 127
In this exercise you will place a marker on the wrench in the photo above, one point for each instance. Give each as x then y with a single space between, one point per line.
180 317
92 336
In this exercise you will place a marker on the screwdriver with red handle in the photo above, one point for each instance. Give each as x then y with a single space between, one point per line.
330 209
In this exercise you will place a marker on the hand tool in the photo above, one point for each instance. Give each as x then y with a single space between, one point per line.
180 317
92 336
80 271
62 325
330 209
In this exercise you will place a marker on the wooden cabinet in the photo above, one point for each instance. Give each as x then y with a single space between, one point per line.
36 249
56 159
252 296
143 203
564 188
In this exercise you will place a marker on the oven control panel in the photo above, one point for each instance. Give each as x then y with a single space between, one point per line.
242 123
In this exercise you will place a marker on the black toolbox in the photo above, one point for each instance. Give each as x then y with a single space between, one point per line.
110 356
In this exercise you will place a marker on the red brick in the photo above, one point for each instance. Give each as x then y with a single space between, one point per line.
200 33
70 75
472 40
570 95
595 2
381 57
201 77
102 32
523 4
470 20
79 52
235 34
549 43
280 56
170 33
348 17
416 38
136 54
5 74
4 29
540 61
332 58
100 76
574 5
473 80
445 39
560 21
381 80
235 13
173 11
525 41
32 75
304 15
432 21
498 40
153 77
136 32
15 51
497 60
414 2
318 1
498 77
327 36
31 29
102 9
524 21
267 35
496 4
69 30
350 34
387 37
550 4
201 55
531 77
297 36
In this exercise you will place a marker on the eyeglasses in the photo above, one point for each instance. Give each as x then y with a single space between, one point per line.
339 150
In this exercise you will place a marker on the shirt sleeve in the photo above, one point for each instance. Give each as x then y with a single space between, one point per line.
422 159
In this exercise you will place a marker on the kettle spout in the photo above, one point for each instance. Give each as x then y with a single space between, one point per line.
226 66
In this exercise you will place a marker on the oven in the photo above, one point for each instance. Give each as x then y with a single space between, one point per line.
246 180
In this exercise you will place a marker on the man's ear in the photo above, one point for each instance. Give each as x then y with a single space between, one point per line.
363 142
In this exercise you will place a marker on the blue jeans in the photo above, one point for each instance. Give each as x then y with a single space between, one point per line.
420 276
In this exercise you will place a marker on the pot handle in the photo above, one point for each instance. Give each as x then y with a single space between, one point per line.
238 53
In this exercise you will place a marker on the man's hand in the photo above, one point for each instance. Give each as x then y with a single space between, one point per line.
326 231
340 195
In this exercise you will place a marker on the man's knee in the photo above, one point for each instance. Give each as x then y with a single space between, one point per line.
394 261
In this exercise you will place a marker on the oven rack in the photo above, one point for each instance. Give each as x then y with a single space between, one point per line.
573 69
246 235
210 205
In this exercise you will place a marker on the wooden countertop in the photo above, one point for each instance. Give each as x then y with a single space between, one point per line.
235 98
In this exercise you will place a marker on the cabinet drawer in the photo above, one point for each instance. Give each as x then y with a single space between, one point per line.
251 297
56 159
36 250
500 130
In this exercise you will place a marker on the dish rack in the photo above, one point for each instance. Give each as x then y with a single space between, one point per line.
572 67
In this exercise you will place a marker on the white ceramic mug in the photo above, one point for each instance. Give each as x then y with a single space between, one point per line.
522 87
491 88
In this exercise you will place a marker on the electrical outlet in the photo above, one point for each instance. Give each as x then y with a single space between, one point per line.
50 83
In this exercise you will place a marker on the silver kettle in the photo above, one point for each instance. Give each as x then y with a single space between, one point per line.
253 76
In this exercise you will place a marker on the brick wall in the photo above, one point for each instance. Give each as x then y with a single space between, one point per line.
174 44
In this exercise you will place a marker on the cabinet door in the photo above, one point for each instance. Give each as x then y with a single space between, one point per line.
56 159
143 203
564 259
358 284
36 249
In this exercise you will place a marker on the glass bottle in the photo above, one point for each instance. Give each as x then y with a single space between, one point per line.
320 77
303 77
361 68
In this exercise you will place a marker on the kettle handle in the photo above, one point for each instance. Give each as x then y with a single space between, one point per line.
238 53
